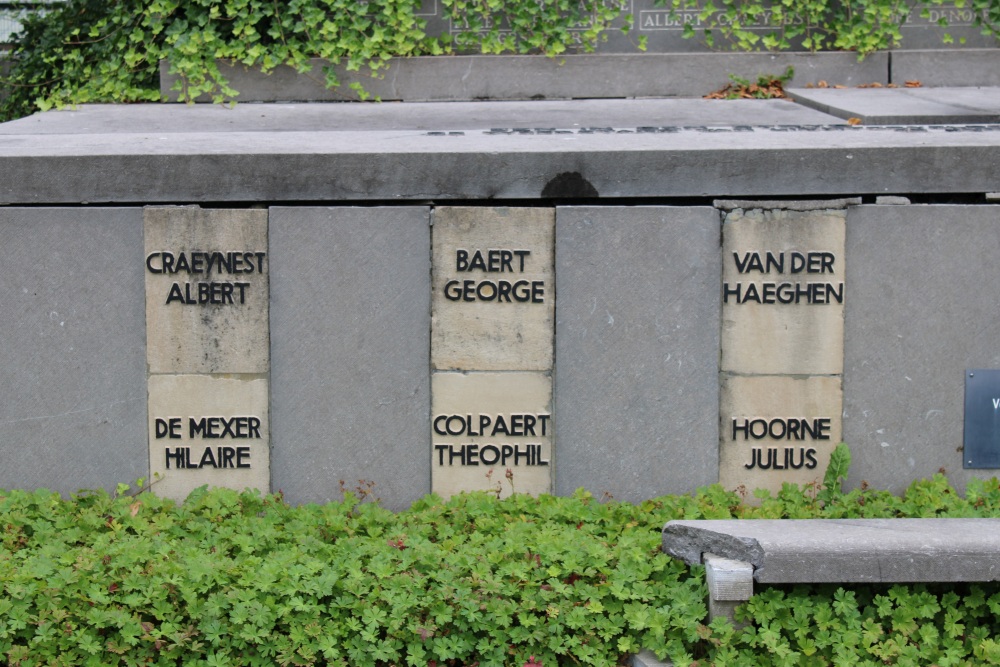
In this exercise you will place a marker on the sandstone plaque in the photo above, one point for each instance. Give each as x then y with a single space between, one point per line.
208 430
206 290
493 294
777 429
491 432
783 292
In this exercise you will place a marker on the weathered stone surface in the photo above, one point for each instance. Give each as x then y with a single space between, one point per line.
803 334
90 119
521 442
73 414
637 349
190 399
846 550
948 67
514 77
212 318
922 310
727 579
913 106
350 341
747 407
497 313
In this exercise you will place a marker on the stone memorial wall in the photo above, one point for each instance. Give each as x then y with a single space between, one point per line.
630 350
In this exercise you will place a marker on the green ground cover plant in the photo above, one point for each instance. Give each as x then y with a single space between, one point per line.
98 51
230 578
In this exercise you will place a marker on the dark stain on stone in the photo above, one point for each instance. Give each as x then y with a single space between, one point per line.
569 185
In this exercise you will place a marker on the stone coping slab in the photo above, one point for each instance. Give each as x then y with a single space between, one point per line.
846 550
620 158
890 106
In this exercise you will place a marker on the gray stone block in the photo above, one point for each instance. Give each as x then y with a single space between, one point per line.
350 348
892 200
785 205
637 350
515 77
73 414
846 550
948 67
905 106
920 310
730 584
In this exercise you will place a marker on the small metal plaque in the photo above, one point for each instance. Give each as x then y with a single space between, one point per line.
982 418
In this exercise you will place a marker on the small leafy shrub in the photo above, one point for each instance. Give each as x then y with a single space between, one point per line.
230 578
766 87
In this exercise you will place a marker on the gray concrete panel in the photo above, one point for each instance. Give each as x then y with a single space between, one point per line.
515 77
350 352
947 67
920 309
845 550
73 359
637 350
649 161
913 106
89 119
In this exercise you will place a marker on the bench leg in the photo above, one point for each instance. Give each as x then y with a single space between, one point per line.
730 583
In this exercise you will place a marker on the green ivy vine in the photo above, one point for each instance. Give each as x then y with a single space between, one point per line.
98 51
863 26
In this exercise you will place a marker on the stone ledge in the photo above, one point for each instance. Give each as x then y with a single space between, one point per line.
846 550
601 75
514 77
161 162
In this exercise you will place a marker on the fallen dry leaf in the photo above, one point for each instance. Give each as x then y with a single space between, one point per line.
913 83
892 85
854 121
134 507
822 84
840 86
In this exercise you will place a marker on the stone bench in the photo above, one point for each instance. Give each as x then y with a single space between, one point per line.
737 553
